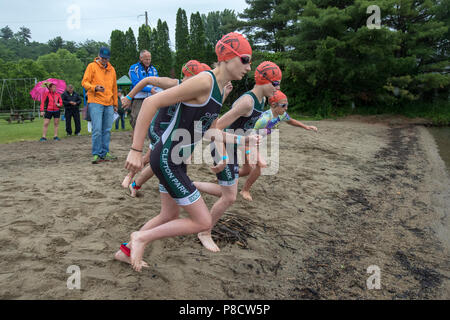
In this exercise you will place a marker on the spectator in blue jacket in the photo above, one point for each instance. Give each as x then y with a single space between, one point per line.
139 71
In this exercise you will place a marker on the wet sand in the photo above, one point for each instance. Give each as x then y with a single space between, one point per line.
360 192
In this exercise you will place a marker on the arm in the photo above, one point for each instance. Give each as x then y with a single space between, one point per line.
78 101
135 80
297 123
44 98
228 88
241 107
65 101
87 79
115 96
164 83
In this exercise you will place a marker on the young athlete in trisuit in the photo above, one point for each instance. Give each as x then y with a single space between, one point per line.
269 121
199 101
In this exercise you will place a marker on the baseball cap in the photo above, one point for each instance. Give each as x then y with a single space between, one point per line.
104 53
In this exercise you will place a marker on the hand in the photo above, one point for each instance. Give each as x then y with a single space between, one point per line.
311 128
42 113
154 91
72 103
115 108
228 88
254 140
219 167
126 103
134 161
99 88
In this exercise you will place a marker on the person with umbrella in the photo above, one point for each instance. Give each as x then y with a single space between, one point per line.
50 103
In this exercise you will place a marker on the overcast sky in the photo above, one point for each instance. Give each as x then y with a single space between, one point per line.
48 19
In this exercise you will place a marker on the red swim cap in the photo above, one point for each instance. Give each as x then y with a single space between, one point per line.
192 68
205 67
232 45
267 72
278 96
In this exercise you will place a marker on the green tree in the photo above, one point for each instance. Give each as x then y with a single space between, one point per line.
144 38
162 56
118 57
197 38
6 33
23 35
265 23
56 43
181 40
64 65
130 50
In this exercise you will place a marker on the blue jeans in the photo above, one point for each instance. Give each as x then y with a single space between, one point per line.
122 119
101 119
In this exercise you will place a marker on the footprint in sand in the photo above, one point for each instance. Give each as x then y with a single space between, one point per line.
93 195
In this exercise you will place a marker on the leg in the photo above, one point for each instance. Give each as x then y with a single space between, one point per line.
254 175
145 175
122 119
245 170
68 121
108 117
96 114
56 125
227 198
199 220
45 128
169 211
210 188
128 178
76 118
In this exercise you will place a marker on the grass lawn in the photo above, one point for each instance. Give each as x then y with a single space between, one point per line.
32 131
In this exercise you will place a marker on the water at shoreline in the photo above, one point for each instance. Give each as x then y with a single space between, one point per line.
442 137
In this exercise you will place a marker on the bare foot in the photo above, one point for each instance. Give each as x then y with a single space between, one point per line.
133 191
126 181
137 251
120 256
246 195
262 163
207 241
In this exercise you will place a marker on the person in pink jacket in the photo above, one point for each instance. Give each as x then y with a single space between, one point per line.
50 104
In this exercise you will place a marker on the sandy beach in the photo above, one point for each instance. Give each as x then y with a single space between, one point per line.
360 192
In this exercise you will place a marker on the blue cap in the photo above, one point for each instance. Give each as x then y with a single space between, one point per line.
104 53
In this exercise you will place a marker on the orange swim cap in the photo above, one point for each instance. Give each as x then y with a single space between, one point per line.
278 96
205 67
267 72
192 68
232 45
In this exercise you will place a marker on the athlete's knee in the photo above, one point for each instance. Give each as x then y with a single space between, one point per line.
229 198
204 223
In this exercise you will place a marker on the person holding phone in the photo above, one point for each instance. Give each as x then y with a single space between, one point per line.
100 83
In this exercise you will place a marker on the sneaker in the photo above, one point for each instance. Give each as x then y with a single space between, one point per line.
109 157
69 134
56 139
96 159
78 134
43 139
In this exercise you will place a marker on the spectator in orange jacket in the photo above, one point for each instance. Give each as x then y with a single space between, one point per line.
50 104
100 82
